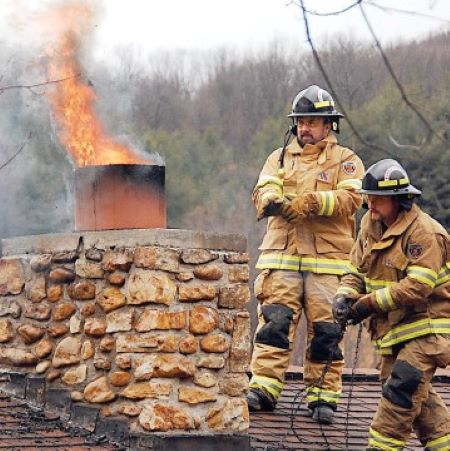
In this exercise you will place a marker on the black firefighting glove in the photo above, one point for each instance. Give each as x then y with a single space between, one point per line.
361 310
341 309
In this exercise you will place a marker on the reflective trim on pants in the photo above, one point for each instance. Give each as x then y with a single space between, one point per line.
270 385
381 441
439 444
317 395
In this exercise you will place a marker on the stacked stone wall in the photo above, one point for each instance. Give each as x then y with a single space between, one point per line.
154 333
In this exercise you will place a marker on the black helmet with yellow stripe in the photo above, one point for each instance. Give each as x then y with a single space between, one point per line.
387 178
315 101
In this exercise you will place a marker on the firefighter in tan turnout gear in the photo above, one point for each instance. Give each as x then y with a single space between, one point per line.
402 255
307 189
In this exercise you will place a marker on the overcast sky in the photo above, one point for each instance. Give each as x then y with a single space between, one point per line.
150 25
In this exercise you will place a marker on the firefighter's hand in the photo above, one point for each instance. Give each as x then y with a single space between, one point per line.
361 310
270 205
341 308
288 213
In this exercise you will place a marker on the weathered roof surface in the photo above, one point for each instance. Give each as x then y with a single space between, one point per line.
24 428
288 427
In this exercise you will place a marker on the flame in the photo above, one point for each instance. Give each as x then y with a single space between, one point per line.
72 100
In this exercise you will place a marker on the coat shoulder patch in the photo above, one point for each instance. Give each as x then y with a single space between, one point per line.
414 250
349 167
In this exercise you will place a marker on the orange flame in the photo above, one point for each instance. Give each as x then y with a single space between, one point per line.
72 100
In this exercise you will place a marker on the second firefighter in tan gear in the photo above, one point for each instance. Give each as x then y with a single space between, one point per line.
403 287
304 251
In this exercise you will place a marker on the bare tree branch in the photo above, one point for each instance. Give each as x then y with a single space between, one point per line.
3 165
30 87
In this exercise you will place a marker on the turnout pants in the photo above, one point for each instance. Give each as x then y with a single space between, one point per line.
409 400
283 296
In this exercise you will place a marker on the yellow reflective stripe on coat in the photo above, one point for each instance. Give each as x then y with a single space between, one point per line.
379 350
310 264
265 179
272 386
439 444
349 184
278 261
381 441
346 291
316 394
384 300
328 201
415 329
424 275
374 284
444 274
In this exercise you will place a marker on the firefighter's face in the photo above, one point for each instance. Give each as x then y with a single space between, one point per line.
383 208
312 129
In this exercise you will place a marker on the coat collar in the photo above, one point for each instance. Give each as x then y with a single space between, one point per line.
322 148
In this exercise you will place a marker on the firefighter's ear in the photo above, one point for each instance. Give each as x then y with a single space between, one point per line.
294 129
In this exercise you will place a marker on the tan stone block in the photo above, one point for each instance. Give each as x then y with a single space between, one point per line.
42 367
167 260
8 306
62 275
67 352
6 331
108 411
203 320
215 343
107 343
240 352
159 319
188 345
76 396
130 410
53 375
231 416
57 330
185 276
81 291
64 257
205 379
30 333
213 362
193 395
116 279
99 391
36 290
238 274
145 257
195 293
87 350
227 322
75 323
63 311
17 357
94 254
41 262
197 256
119 321
95 327
160 417
75 375
123 361
120 378
54 293
87 309
209 272
12 279
111 298
236 258
163 365
149 286
234 384
40 312
147 390
234 297
43 348
89 270
100 363
147 343
117 260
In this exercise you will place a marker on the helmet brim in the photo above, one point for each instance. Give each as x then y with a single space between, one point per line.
392 192
323 113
